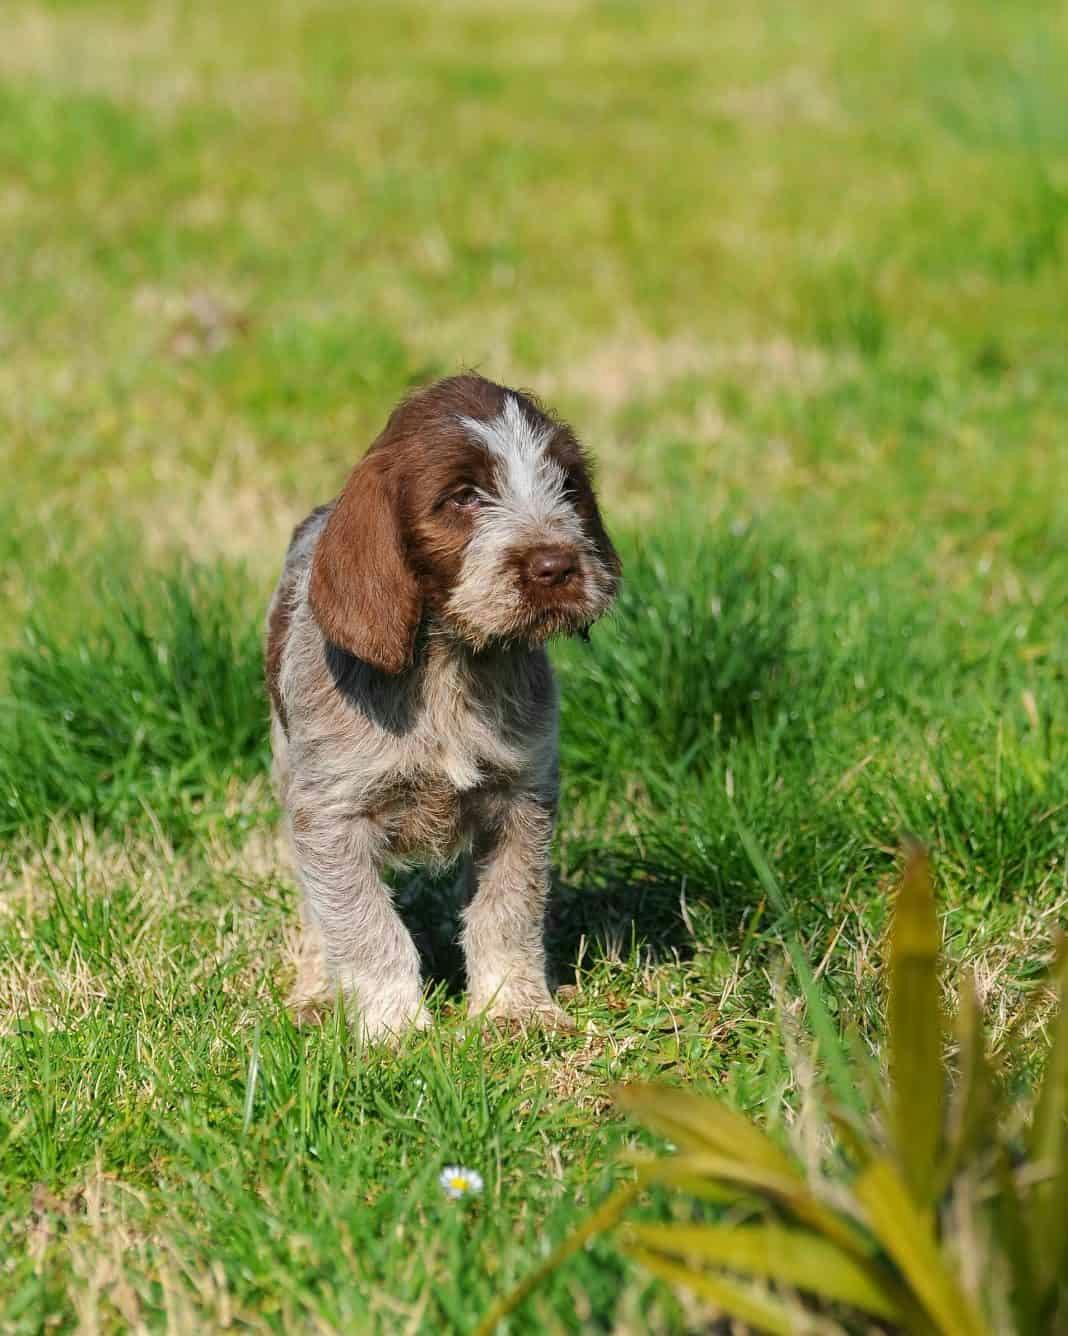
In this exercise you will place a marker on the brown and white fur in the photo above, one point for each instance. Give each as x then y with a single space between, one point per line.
413 708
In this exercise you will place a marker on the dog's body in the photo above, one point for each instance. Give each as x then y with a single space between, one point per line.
413 705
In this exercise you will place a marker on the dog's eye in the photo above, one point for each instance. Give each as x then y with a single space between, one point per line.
465 499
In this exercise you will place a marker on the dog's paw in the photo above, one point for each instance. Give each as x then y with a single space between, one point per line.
311 994
551 1017
386 1020
522 1013
307 1010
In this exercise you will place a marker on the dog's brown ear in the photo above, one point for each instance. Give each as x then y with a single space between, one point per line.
363 593
605 547
586 504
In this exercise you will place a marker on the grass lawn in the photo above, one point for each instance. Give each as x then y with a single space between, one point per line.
799 275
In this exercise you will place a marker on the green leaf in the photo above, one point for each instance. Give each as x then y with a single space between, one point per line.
905 1232
789 1193
973 1119
853 1136
789 1256
755 1307
915 1024
700 1123
1048 1208
674 1170
1010 1231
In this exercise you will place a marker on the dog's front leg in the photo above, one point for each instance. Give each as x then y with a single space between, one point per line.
503 933
368 953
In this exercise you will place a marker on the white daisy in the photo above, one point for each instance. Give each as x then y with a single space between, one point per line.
458 1182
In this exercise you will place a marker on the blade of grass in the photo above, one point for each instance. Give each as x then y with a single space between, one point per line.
603 1218
827 1037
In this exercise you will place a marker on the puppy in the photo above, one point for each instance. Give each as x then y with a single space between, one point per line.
413 708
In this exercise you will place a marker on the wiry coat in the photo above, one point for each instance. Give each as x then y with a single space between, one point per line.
413 705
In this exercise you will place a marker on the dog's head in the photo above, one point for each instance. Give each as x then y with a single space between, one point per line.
475 507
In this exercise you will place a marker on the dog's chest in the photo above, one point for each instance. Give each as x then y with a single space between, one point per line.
457 750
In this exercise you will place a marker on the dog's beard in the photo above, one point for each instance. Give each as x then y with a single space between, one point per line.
548 624
519 621
492 604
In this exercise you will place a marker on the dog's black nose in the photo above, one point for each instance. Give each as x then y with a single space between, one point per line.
552 565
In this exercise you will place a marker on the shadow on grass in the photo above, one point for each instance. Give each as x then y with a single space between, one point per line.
626 906
631 908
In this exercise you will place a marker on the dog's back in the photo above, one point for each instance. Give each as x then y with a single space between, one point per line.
279 616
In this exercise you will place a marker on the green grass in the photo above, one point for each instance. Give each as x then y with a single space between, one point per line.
798 277
156 709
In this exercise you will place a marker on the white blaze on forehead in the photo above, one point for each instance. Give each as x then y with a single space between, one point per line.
530 479
489 599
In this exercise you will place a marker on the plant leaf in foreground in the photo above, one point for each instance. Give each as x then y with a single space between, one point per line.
914 1017
906 1235
793 1257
